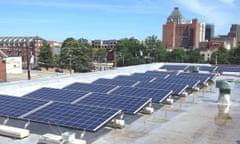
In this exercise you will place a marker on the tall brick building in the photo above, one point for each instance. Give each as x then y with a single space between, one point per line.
177 33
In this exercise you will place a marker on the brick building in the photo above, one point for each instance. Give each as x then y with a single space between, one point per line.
229 41
3 73
181 35
109 45
22 46
55 47
235 31
177 33
103 44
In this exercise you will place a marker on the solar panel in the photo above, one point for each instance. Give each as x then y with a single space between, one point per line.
141 77
204 78
151 75
14 107
160 73
90 87
177 89
127 104
174 67
74 116
207 68
211 76
156 95
192 83
228 69
117 82
56 94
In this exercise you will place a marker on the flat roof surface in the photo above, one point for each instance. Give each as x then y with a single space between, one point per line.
194 119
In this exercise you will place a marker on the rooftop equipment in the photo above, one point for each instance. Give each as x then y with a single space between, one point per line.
225 87
14 132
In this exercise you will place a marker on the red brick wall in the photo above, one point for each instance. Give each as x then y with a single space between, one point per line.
3 76
181 35
196 31
169 33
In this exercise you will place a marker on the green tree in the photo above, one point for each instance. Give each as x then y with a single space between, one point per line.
129 52
46 56
101 55
154 49
177 55
57 60
234 55
221 56
193 56
76 55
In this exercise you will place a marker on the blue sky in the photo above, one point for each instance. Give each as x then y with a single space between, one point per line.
108 19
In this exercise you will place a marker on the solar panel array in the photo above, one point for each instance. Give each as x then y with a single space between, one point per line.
127 104
56 94
204 78
227 69
56 113
90 87
91 105
156 95
74 116
114 82
177 89
16 106
140 77
207 68
160 80
192 83
203 68
147 74
160 73
174 67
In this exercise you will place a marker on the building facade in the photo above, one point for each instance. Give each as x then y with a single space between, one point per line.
181 35
3 72
207 54
109 45
229 41
202 32
235 31
55 47
103 44
178 33
26 47
209 31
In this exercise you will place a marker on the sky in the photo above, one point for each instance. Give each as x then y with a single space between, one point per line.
108 19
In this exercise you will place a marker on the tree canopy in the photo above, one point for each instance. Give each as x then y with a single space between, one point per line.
76 55
234 56
154 49
46 56
129 52
221 56
100 55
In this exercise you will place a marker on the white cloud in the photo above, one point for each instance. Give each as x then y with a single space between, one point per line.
228 2
213 12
